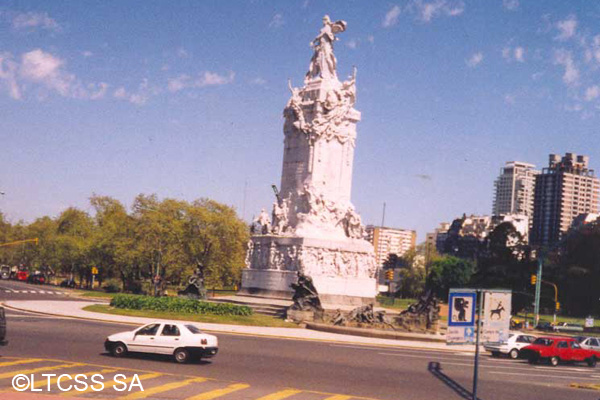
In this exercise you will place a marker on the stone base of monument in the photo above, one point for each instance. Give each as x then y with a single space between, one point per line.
340 269
300 316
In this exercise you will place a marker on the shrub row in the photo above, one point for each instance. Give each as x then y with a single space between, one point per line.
177 304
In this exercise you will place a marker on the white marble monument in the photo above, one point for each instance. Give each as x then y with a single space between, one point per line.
314 227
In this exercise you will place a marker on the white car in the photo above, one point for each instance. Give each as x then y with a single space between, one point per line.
590 343
516 341
181 340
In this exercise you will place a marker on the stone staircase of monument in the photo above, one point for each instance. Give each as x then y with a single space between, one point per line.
264 308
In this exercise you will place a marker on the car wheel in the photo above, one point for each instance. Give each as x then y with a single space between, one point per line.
554 361
182 356
514 354
119 350
533 359
591 362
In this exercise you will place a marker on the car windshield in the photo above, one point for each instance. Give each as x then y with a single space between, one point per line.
543 342
193 329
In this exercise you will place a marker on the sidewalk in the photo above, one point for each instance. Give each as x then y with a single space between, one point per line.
74 309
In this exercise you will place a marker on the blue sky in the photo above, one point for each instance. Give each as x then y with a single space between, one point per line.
184 99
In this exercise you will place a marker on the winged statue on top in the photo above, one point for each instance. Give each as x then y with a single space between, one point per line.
323 62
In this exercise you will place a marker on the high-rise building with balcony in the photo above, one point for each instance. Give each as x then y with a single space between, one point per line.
564 190
515 189
388 241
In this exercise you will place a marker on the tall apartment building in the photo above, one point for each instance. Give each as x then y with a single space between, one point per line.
515 189
388 241
437 238
564 190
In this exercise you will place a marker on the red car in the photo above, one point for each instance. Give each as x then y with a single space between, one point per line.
22 275
558 349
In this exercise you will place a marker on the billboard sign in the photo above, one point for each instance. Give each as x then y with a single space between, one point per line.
496 316
461 316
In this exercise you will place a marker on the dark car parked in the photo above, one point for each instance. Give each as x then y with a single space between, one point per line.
36 278
68 283
545 326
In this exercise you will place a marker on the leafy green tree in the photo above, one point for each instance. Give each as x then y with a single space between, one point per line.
449 272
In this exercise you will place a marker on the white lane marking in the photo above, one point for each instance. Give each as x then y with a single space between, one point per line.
407 349
544 375
8 291
563 369
516 367
31 291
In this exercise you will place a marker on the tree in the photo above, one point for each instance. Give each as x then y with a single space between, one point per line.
505 262
449 272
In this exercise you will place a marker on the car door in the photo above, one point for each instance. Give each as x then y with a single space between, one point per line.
577 353
168 339
593 344
522 341
562 350
144 339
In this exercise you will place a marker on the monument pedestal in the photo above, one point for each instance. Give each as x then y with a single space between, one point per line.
343 271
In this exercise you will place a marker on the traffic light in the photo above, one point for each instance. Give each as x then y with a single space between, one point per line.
557 306
389 274
533 279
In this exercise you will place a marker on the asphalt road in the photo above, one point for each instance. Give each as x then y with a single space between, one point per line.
294 369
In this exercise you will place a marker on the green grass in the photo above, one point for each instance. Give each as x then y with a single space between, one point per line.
559 318
400 304
252 320
93 293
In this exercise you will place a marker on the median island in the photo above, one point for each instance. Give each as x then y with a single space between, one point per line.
187 310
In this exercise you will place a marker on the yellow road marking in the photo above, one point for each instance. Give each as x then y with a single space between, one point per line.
339 397
108 384
162 388
26 361
213 394
54 380
33 371
284 394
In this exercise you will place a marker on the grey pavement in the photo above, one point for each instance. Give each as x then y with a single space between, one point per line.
74 309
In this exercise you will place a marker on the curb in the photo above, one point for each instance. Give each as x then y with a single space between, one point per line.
373 333
250 334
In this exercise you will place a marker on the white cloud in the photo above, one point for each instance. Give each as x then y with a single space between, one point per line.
511 5
474 60
258 81
509 99
182 53
371 39
213 79
565 58
97 91
592 93
87 53
30 20
8 75
277 21
426 11
514 54
567 28
520 54
593 51
44 72
391 17
352 44
206 79
120 93
140 97
178 83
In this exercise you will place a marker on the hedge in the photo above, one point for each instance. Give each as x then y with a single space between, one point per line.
177 305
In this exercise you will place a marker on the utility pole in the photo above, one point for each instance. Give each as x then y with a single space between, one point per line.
538 289
383 216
